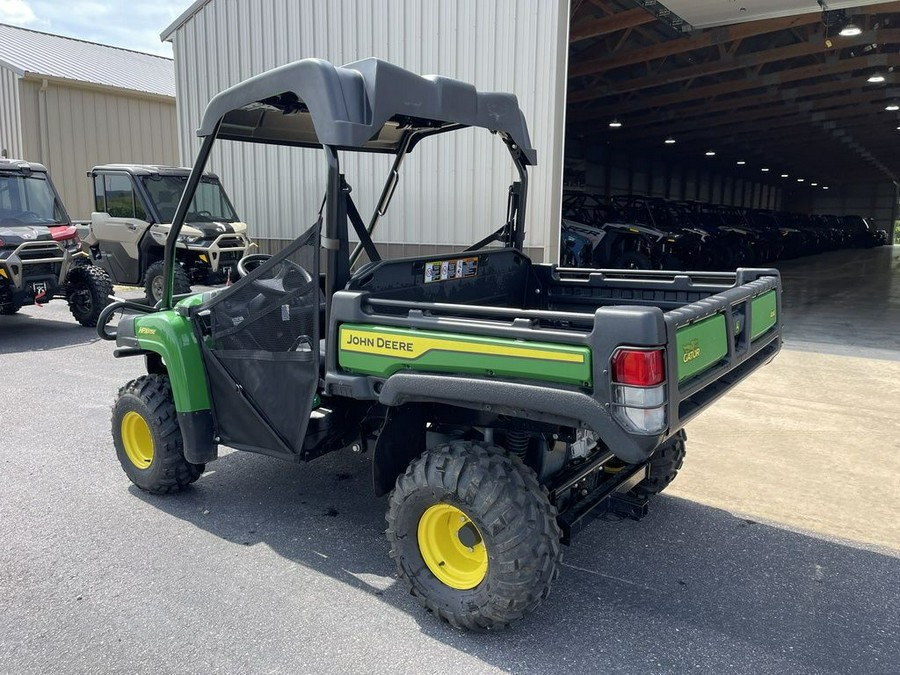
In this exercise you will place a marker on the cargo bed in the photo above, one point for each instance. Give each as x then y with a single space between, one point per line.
715 327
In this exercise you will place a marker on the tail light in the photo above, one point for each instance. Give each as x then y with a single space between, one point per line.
638 388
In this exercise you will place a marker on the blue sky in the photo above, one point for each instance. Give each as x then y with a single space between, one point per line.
134 24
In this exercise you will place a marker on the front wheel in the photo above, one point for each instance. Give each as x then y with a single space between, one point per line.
8 307
148 439
87 291
474 535
155 282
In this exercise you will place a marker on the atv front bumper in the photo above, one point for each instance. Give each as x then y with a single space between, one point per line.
223 252
33 271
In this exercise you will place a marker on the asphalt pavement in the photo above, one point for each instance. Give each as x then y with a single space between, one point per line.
269 567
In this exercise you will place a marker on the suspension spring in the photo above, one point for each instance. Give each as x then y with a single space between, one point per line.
517 442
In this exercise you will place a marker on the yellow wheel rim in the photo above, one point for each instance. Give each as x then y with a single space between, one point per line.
452 547
137 440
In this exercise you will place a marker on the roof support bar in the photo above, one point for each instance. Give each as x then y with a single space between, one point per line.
356 221
181 213
386 193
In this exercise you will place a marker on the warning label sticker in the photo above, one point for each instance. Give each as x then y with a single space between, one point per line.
447 270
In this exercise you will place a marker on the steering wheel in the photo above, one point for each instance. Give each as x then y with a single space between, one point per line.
250 262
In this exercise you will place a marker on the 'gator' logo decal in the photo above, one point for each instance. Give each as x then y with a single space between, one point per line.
143 330
691 350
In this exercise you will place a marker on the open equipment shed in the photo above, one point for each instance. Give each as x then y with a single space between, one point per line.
766 105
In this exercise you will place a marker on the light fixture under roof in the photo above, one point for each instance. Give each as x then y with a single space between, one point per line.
670 141
710 153
765 168
784 175
814 184
615 124
875 78
801 180
741 162
850 30
892 107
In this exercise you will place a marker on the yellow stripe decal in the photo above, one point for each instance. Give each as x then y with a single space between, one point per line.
410 347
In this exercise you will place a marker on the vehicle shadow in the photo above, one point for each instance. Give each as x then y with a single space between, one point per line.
31 333
688 587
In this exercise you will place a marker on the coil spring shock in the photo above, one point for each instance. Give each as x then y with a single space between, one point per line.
517 442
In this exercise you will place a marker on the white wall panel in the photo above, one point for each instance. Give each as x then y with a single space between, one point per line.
10 119
71 129
453 189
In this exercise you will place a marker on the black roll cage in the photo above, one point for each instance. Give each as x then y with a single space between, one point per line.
339 207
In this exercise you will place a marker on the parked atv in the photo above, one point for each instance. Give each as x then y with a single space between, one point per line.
669 245
593 236
40 253
862 233
503 403
135 205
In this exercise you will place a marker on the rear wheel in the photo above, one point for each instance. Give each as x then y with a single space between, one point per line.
664 466
155 282
147 437
87 291
742 255
474 535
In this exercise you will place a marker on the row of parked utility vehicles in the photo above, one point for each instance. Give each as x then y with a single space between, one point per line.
640 232
44 255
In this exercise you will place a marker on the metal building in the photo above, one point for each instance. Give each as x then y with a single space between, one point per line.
452 190
71 104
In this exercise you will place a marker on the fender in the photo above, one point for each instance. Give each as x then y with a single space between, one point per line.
171 336
547 404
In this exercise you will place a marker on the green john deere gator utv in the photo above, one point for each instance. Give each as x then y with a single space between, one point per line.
504 403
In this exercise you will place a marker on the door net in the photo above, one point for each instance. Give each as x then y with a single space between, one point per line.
262 352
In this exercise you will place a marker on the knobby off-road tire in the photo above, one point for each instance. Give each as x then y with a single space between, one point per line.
664 466
87 291
147 437
499 500
9 307
155 282
632 260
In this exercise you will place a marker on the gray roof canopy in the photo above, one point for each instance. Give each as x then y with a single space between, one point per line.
368 105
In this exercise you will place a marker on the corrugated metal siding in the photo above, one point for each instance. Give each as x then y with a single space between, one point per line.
10 121
453 189
72 129
56 56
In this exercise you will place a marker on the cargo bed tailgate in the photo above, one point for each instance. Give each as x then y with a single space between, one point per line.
715 343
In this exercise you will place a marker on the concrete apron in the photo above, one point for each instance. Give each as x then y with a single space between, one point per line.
812 441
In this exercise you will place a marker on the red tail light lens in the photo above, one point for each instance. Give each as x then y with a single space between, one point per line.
639 367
